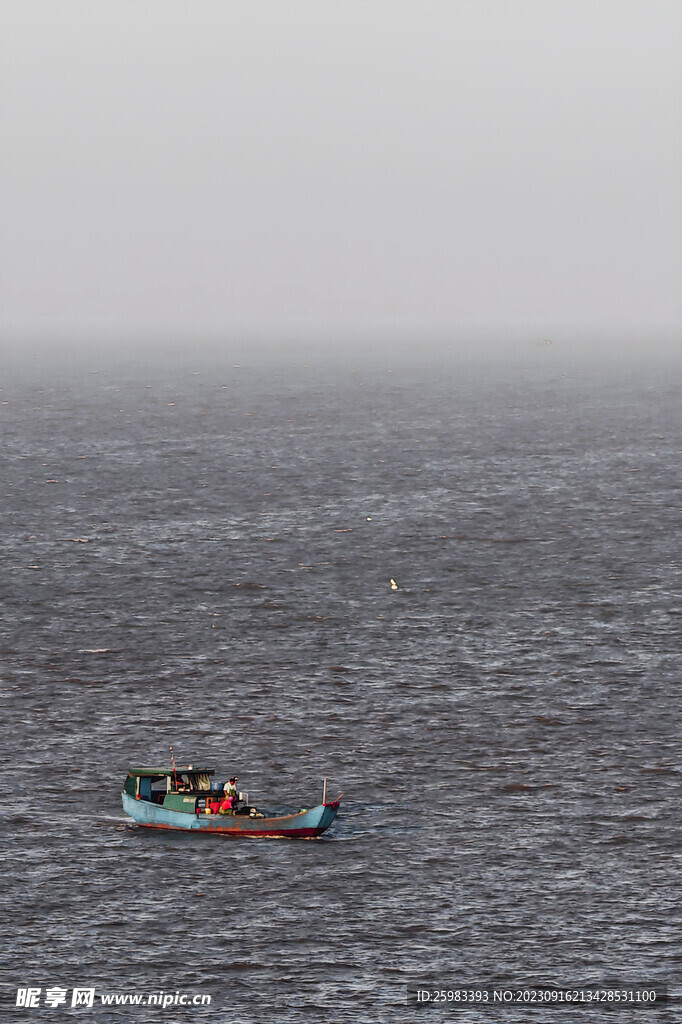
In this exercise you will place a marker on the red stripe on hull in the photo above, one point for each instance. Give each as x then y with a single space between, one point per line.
294 833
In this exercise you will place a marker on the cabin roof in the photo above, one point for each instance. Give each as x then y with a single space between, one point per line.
180 769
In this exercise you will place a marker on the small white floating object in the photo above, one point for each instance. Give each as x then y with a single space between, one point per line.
394 585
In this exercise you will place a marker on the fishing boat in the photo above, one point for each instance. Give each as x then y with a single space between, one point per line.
185 797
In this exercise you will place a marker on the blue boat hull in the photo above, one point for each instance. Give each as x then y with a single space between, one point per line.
304 825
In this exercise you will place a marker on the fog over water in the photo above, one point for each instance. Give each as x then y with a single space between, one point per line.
288 165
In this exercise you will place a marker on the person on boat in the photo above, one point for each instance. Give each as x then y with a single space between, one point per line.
180 784
226 807
231 786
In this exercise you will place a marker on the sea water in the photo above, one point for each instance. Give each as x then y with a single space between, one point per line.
201 554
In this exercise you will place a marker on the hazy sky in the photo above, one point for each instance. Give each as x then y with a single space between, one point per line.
198 166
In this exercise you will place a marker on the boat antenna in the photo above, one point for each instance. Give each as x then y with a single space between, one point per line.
175 778
324 790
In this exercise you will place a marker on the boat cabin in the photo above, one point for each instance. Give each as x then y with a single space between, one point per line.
183 788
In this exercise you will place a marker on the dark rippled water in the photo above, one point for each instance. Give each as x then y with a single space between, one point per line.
201 554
